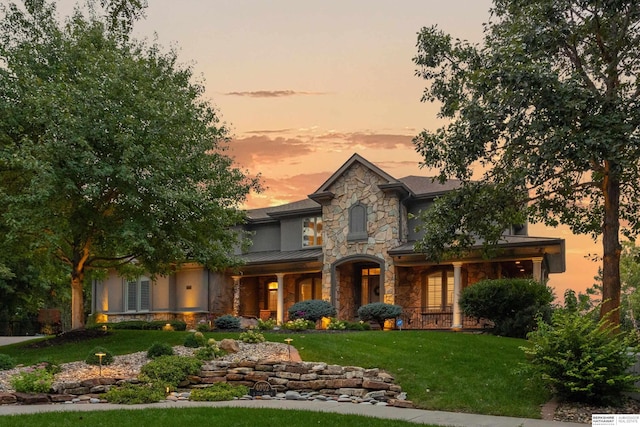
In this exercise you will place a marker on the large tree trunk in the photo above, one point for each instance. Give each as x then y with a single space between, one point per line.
611 248
77 300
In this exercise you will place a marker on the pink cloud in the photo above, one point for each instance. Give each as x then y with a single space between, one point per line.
272 93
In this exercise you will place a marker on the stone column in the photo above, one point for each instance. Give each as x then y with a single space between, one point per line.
236 295
537 269
280 312
457 288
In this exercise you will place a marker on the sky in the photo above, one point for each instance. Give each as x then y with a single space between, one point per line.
305 84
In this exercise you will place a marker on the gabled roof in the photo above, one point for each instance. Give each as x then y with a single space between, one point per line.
356 158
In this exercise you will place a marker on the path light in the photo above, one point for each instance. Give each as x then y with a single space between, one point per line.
288 341
100 356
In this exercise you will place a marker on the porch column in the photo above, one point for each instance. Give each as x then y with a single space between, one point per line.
280 312
537 269
236 295
457 287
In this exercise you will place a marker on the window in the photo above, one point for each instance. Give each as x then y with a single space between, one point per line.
138 294
310 288
438 291
272 296
312 231
357 222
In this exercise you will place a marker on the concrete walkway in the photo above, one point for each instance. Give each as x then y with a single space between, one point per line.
417 416
13 340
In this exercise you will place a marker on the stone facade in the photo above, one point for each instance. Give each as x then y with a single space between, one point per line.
359 184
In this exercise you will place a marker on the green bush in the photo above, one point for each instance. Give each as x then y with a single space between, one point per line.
158 349
358 326
267 325
176 325
194 340
169 371
203 327
6 362
218 392
32 381
379 312
582 359
93 359
227 322
134 394
251 336
511 304
313 310
210 351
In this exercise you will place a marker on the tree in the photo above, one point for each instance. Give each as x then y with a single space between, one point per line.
109 155
546 110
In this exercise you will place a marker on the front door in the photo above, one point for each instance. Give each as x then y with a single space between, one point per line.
370 285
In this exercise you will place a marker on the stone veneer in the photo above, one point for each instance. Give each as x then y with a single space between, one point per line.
359 184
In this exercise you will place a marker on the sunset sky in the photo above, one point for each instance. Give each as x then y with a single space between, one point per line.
305 84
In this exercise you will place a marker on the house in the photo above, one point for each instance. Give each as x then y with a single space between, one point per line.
351 243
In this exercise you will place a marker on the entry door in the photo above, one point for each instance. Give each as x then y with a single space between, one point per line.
374 288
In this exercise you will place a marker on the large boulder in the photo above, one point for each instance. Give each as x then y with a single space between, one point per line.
229 345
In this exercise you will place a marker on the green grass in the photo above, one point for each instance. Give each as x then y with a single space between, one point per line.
195 417
438 370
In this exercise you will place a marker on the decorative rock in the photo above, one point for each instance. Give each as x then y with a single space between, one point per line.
32 398
7 398
229 345
292 395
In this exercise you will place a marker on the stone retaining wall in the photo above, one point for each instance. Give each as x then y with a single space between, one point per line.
321 378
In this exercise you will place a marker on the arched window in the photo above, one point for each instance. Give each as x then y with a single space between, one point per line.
357 222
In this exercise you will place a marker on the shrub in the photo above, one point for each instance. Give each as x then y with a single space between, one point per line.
210 351
218 392
313 310
227 322
299 325
134 394
335 324
93 359
379 312
169 371
267 325
6 362
358 326
251 336
511 304
32 381
158 349
203 327
582 359
194 340
176 325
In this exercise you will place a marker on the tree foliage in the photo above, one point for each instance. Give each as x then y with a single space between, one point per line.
546 111
108 152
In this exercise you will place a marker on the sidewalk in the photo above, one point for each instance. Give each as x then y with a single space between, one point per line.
12 340
417 416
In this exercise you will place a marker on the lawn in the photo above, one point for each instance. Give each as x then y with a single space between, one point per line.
196 417
438 370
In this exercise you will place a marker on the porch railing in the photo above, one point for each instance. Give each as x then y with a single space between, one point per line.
423 318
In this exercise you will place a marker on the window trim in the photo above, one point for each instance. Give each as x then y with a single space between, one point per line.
140 305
